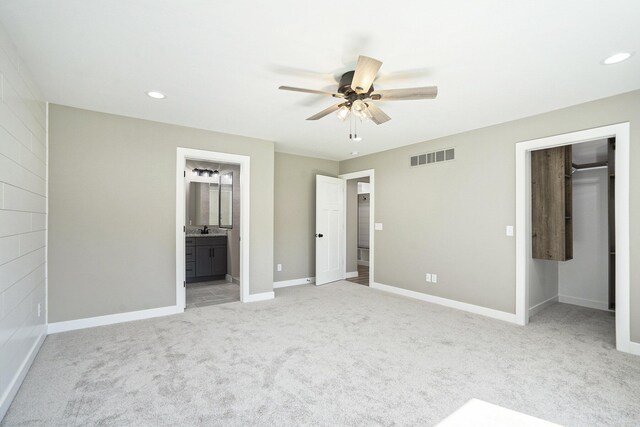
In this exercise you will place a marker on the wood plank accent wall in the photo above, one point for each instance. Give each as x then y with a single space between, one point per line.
23 210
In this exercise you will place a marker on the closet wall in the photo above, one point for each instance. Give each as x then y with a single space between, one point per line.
584 280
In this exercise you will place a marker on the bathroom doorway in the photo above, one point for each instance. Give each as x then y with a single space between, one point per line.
212 236
212 228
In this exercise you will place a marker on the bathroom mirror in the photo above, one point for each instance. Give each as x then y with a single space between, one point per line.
203 203
211 203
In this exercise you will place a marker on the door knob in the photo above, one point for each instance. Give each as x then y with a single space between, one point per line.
319 235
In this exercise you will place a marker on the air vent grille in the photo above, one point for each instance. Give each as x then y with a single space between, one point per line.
433 157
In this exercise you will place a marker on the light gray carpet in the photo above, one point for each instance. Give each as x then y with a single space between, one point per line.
341 354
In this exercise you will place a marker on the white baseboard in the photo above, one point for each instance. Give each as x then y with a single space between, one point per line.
263 296
484 311
365 263
230 279
90 322
598 305
541 306
351 274
13 388
633 348
294 282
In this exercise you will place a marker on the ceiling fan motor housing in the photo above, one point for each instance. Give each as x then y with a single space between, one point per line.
347 91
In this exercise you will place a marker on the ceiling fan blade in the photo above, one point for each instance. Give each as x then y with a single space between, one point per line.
326 111
377 115
428 92
317 92
366 70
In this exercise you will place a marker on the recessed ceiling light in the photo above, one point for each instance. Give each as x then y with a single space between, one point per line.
354 153
618 57
155 94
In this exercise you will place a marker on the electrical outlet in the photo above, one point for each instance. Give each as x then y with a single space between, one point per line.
279 267
38 309
434 278
428 277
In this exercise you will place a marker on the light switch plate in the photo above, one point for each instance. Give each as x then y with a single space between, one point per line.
510 230
378 226
434 278
279 267
427 277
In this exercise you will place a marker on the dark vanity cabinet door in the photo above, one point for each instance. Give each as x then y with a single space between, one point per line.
204 261
206 258
219 260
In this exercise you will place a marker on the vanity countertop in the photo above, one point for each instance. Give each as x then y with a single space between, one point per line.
207 235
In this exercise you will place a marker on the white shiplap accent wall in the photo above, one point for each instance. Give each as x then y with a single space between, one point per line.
23 221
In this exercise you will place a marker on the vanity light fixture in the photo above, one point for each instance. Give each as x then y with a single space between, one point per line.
206 172
156 95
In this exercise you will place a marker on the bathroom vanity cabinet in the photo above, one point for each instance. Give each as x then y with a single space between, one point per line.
206 258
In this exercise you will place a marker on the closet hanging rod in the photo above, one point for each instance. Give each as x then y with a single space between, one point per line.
574 170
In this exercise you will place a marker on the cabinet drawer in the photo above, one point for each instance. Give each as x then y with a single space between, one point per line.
211 241
190 241
190 269
190 253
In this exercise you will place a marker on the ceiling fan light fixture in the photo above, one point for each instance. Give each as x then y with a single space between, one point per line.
343 113
358 105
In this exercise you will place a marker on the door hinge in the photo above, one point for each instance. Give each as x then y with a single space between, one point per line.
184 173
184 283
184 228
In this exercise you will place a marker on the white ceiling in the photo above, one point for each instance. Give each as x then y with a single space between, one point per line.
220 62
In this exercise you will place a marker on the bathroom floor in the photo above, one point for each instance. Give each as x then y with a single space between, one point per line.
202 294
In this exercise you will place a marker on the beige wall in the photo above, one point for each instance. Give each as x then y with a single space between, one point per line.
450 218
112 211
295 217
23 219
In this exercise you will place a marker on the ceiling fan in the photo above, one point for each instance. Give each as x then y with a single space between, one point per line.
358 95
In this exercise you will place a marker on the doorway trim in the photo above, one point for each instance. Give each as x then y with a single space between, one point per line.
184 154
523 227
370 173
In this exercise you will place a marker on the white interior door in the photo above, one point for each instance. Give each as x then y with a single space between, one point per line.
330 195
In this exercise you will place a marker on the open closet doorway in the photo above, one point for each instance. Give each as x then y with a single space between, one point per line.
359 225
212 228
572 233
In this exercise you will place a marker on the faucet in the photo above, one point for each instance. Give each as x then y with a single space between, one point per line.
205 230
